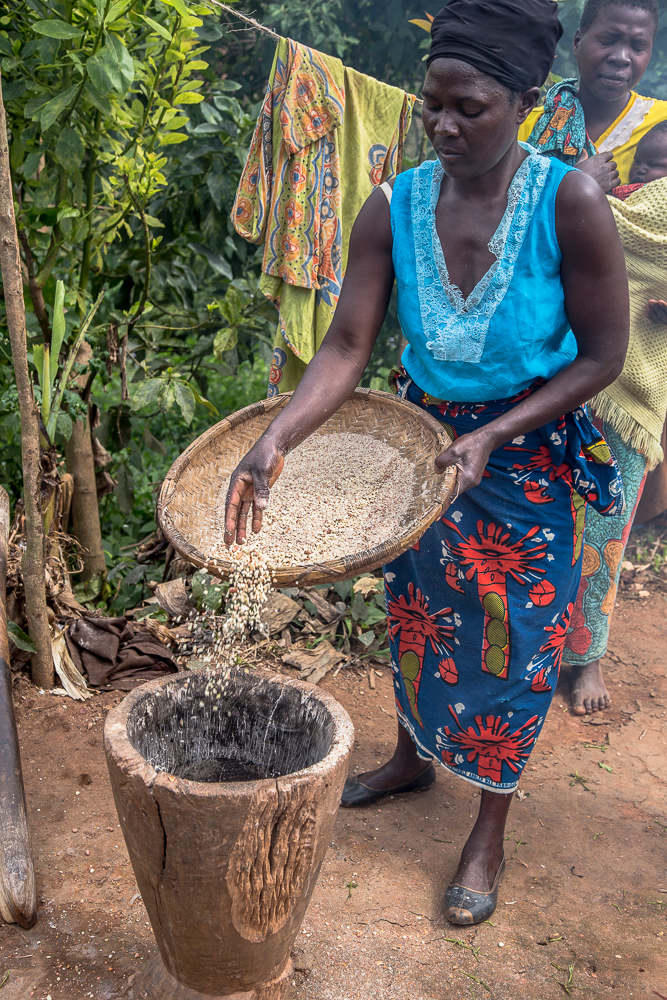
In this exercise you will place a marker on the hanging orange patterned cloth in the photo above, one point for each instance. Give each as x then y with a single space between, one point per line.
325 137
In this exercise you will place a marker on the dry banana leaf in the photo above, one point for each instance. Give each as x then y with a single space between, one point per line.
173 597
325 610
67 604
157 630
314 664
73 682
278 612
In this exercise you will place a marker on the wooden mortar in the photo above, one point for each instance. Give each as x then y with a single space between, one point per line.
226 868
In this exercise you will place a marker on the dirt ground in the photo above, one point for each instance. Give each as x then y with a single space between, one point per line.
583 904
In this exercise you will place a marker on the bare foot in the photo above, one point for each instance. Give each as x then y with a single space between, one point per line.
589 692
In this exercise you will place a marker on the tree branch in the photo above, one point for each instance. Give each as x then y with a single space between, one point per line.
122 353
44 272
96 45
90 196
254 25
36 294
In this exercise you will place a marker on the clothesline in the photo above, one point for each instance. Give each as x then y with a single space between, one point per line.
249 20
256 25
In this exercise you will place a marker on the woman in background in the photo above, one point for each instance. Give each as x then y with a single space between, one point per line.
600 116
597 123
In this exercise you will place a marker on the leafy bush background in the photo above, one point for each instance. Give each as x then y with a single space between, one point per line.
154 229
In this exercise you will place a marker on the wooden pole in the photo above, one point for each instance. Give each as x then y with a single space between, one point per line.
18 897
32 563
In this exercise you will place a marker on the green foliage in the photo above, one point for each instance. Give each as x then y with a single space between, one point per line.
373 36
322 22
207 592
53 382
363 618
20 638
166 389
142 451
129 124
243 313
90 107
125 151
362 604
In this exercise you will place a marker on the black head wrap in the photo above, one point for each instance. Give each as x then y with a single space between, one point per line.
514 41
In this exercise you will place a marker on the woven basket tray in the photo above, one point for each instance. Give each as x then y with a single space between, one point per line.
192 484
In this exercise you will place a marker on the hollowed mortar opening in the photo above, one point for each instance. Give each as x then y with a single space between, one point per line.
230 726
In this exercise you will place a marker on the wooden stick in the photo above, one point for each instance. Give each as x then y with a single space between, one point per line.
18 897
32 564
255 25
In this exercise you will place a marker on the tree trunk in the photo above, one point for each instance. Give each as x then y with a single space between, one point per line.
33 559
85 509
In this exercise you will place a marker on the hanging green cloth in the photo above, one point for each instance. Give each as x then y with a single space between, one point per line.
325 137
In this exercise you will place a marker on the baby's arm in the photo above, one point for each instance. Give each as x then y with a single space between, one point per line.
656 309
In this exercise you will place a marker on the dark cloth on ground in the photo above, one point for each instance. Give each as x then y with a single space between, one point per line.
654 498
116 654
514 41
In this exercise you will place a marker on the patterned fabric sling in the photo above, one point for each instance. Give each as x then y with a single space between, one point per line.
630 412
561 130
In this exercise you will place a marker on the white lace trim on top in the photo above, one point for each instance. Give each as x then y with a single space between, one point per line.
455 327
634 118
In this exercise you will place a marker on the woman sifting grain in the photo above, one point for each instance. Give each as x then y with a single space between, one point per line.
512 296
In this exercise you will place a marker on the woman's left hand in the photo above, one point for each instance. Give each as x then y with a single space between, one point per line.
470 454
656 310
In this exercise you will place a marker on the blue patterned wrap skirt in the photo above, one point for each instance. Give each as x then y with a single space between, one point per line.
479 608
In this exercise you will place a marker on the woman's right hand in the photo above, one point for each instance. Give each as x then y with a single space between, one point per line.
602 168
250 486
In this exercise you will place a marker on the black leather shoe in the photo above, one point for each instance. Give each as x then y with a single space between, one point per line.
355 793
466 906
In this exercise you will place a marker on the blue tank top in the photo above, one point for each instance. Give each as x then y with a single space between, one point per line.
512 329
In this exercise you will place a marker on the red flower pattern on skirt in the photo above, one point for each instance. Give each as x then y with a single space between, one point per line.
494 745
